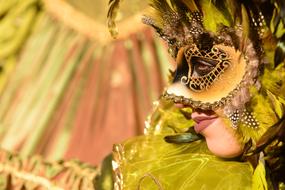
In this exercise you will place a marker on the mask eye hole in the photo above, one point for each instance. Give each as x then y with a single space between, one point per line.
202 66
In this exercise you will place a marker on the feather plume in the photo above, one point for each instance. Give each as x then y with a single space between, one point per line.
268 104
280 51
227 8
281 8
191 5
272 143
210 12
245 27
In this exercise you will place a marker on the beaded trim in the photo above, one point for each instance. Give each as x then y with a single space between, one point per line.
199 104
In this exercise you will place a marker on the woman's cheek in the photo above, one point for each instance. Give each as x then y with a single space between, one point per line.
221 140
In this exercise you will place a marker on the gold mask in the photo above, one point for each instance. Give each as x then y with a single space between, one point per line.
207 79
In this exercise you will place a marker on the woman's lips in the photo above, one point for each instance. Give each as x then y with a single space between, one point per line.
202 120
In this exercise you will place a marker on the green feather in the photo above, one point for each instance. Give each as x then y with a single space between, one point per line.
259 178
210 12
245 27
183 138
277 104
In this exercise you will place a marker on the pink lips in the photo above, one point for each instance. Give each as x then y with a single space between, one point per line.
202 120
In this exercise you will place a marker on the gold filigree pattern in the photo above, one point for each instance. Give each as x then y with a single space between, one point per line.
204 82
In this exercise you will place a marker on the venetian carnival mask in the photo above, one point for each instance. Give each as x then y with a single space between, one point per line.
215 68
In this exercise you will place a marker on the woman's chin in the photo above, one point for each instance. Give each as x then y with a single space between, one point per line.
223 152
221 140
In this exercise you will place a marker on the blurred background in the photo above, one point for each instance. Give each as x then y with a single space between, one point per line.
67 89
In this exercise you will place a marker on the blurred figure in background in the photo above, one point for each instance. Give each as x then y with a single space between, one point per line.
67 90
